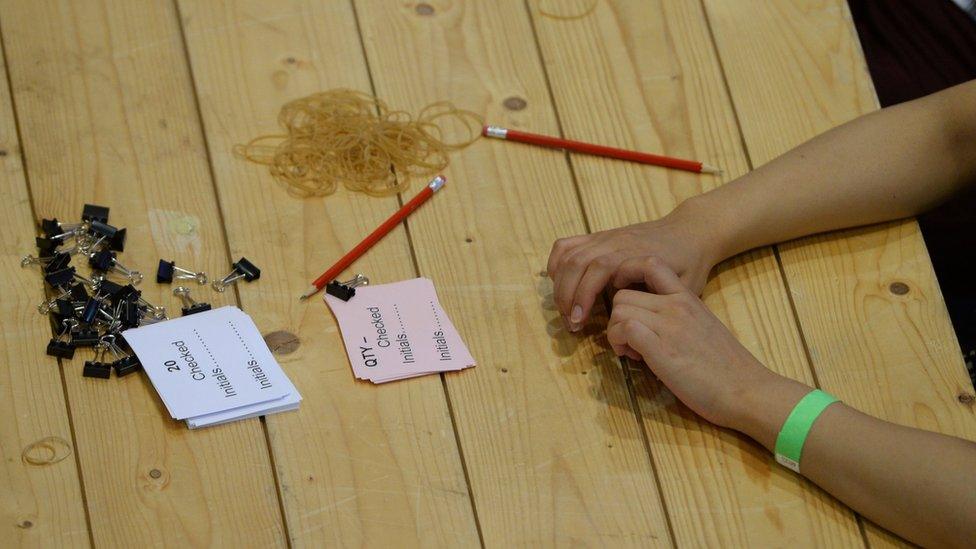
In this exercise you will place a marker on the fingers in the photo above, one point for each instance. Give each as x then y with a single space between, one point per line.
581 267
631 354
642 300
635 335
569 271
595 278
560 248
650 270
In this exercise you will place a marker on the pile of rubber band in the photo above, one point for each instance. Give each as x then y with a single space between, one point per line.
349 137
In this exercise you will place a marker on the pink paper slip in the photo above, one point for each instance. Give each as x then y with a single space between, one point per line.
397 331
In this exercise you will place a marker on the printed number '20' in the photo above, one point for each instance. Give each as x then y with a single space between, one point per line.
171 366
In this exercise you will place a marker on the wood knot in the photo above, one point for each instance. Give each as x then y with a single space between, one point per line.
469 240
3 153
966 398
504 370
515 103
290 60
424 9
155 473
898 288
282 342
25 524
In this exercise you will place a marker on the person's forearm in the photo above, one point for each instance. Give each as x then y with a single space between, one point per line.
886 165
915 483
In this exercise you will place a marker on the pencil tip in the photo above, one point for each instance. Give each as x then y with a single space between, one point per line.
711 169
308 293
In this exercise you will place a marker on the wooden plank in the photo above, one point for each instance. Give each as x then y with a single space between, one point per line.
643 75
550 440
795 70
358 465
40 505
107 116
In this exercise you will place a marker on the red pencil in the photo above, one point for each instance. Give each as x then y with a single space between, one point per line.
598 150
375 236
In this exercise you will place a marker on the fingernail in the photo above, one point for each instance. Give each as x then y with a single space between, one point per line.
576 315
575 327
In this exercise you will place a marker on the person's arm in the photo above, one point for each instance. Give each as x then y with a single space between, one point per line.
918 484
894 163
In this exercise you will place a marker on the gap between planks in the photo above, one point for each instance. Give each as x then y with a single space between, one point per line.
22 158
272 463
416 270
776 253
622 362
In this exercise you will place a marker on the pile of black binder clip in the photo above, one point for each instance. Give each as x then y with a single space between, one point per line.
91 311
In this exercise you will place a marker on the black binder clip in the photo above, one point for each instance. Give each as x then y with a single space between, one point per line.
124 363
190 307
61 345
78 292
94 212
57 231
46 246
92 307
168 271
345 290
242 269
60 279
50 226
130 315
64 309
116 293
84 336
55 261
114 236
105 260
97 367
94 368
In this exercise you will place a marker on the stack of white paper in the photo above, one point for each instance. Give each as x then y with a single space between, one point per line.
398 331
212 367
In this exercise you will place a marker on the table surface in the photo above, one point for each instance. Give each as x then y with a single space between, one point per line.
550 440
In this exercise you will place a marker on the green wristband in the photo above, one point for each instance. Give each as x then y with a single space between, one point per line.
789 443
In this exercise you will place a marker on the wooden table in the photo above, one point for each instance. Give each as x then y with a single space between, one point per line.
550 440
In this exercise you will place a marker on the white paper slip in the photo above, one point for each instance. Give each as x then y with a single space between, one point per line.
284 404
211 366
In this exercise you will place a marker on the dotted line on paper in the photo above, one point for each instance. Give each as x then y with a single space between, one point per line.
244 343
437 317
205 348
399 318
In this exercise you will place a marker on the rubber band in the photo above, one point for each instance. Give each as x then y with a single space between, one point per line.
347 137
566 17
52 455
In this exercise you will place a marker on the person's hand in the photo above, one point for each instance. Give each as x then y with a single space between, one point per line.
684 344
582 266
